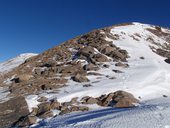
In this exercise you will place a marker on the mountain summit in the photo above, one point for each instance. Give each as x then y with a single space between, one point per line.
95 68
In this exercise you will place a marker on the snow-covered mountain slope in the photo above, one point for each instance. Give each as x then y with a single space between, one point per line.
15 62
147 77
129 57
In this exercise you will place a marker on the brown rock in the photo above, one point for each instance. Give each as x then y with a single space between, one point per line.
119 64
83 108
86 52
25 77
124 99
90 100
117 71
27 121
125 103
42 99
46 115
108 50
100 58
34 111
43 107
94 74
74 100
65 111
90 66
80 78
12 110
106 101
74 108
55 105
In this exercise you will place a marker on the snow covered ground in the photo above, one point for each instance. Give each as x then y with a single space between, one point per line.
146 78
150 114
12 63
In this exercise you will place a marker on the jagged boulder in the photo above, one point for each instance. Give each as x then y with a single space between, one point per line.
12 110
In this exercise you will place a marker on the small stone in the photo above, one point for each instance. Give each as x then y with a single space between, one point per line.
119 64
142 58
117 71
165 96
106 66
87 85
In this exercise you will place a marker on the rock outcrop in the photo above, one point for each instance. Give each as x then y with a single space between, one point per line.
12 110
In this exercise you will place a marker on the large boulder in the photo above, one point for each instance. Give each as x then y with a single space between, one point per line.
12 110
124 99
119 99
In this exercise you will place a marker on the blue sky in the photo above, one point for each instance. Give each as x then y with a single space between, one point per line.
37 25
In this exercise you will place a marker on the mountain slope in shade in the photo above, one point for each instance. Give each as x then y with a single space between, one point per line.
15 62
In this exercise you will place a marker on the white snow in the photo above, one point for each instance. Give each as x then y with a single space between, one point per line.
15 62
32 101
148 115
147 78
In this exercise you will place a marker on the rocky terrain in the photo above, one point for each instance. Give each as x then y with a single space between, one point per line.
93 68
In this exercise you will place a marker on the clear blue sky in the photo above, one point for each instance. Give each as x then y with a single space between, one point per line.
37 25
